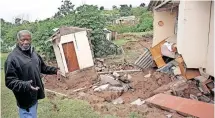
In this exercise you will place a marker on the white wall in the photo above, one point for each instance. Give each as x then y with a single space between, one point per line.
165 31
84 54
59 58
193 30
210 54
82 49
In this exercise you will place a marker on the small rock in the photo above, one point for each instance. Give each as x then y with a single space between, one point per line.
98 69
199 94
148 75
193 97
118 101
115 88
115 74
105 79
169 116
102 87
138 102
126 87
159 81
100 59
129 77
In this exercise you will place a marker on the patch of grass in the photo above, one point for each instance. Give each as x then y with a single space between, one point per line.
140 33
121 42
47 108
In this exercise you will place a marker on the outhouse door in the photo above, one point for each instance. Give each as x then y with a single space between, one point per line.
70 56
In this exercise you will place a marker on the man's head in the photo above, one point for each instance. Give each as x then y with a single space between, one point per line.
24 39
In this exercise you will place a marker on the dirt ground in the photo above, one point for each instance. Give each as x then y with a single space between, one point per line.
79 85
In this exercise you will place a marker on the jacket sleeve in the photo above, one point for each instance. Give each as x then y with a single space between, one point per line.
11 79
47 69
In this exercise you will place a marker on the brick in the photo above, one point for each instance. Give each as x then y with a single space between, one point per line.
183 105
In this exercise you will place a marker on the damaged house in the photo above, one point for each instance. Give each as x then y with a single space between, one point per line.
185 28
72 49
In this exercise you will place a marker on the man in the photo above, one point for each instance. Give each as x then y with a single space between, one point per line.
22 75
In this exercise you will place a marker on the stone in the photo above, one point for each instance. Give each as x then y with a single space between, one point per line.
98 69
118 101
169 116
115 74
138 102
129 77
148 75
102 87
115 88
193 97
105 79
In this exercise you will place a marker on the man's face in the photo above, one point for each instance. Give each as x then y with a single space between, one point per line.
25 41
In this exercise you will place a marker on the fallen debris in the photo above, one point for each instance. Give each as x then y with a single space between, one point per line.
182 105
138 102
148 75
169 116
102 88
118 101
108 79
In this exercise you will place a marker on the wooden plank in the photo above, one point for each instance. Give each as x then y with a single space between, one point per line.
184 106
156 54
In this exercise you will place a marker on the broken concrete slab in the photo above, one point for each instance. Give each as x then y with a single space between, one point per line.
115 88
183 105
118 101
105 79
102 88
138 102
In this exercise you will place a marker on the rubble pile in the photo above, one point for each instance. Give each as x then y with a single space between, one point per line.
113 83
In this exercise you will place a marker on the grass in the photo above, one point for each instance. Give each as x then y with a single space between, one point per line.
121 42
57 107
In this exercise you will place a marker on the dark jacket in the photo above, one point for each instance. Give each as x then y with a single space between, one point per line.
20 68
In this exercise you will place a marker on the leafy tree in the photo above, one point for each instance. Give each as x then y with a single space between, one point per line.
114 7
142 5
130 6
101 8
125 10
18 21
66 8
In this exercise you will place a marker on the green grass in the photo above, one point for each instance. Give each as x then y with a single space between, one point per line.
140 33
57 107
121 42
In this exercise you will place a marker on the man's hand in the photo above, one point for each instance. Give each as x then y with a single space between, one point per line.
33 88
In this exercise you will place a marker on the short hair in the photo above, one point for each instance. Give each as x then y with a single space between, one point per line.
23 32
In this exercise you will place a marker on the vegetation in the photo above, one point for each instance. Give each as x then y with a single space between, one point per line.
87 16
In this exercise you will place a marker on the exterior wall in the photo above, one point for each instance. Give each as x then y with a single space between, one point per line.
82 49
108 36
210 55
193 30
165 31
59 58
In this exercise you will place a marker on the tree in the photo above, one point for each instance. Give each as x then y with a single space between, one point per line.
130 6
90 17
18 21
142 5
66 8
101 8
114 7
125 10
